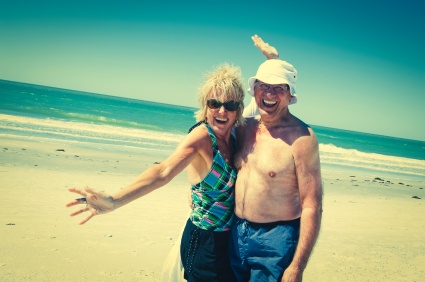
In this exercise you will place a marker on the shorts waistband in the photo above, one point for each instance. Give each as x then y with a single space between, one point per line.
269 224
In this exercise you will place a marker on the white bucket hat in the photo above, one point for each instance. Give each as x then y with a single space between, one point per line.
275 71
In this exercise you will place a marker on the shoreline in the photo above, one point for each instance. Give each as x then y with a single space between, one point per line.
372 230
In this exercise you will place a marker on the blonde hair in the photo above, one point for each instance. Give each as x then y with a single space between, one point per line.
224 84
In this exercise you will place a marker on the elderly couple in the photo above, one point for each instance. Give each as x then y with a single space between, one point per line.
257 198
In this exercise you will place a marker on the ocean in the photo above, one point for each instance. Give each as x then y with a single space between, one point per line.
47 114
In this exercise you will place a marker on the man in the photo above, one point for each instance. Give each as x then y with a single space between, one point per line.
278 189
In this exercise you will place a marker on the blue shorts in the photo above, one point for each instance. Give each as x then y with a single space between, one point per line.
262 251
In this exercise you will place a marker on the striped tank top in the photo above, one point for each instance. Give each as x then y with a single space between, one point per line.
213 198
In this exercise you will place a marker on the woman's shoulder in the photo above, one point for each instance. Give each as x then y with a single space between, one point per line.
199 133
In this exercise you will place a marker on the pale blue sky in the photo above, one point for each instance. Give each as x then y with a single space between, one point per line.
361 64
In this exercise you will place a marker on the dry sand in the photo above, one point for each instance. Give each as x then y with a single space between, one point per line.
371 230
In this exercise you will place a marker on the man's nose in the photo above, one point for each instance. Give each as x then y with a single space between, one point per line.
271 91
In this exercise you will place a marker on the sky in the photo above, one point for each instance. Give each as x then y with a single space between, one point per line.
361 64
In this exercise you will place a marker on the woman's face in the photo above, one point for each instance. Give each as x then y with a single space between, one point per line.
221 115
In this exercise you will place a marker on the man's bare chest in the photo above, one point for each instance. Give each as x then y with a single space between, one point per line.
266 154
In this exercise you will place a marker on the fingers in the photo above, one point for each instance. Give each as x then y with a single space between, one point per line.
82 192
79 211
89 190
87 218
86 193
74 202
257 40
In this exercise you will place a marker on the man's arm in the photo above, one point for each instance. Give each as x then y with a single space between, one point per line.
307 162
251 110
271 53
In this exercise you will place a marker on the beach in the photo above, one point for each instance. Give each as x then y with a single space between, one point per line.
372 229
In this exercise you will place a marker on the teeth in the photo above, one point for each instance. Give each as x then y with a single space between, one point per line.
269 103
221 119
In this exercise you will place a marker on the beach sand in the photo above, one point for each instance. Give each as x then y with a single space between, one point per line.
372 230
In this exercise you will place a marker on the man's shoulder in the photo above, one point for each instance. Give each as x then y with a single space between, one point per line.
249 123
299 123
301 132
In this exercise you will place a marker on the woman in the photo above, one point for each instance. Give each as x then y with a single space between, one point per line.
207 153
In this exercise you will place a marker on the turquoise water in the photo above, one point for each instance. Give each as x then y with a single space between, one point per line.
47 114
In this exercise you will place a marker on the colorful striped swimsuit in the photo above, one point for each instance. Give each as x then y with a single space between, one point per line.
214 197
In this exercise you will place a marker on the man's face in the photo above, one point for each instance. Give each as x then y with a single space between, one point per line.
272 98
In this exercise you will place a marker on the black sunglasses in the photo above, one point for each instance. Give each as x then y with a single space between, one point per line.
229 105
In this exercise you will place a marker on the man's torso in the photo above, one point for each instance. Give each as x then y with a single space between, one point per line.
266 187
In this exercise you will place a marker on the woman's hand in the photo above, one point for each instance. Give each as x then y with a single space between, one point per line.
269 51
95 202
